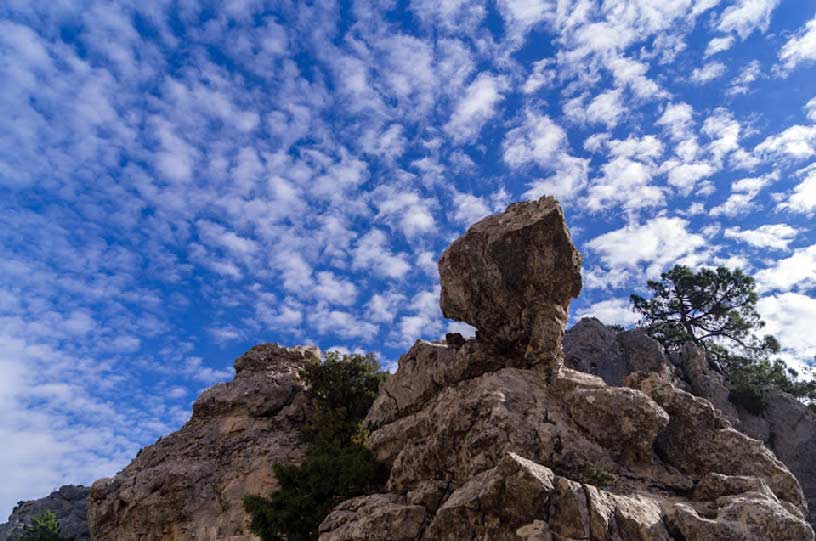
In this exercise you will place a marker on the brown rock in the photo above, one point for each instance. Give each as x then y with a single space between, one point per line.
624 420
189 485
379 517
512 276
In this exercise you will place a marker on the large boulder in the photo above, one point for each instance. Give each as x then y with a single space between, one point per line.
70 505
189 485
512 276
483 444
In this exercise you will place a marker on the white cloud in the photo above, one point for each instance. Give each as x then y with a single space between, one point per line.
800 49
774 236
372 253
469 208
677 118
383 307
656 244
541 76
810 109
803 197
342 324
724 131
743 193
425 320
790 317
718 45
797 142
796 272
606 108
749 74
745 16
611 312
406 210
684 176
333 290
630 169
476 106
566 183
521 15
709 72
537 140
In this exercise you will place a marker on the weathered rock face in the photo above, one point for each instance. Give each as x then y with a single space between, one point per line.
786 427
189 485
592 347
70 505
483 444
512 276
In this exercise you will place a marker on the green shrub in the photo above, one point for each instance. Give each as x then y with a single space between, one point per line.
43 528
337 465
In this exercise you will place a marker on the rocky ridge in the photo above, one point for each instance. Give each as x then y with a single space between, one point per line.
493 438
189 485
786 427
70 505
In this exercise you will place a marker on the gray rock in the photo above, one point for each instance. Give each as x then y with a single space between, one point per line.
592 347
787 427
189 485
70 505
512 276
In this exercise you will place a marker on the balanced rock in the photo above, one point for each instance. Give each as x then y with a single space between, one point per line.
189 485
512 276
69 504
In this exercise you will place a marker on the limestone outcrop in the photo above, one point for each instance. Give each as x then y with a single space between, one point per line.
786 426
70 505
492 439
189 485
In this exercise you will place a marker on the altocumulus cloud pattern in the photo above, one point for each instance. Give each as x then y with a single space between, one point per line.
180 180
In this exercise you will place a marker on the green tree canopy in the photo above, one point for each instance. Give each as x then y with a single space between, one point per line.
337 465
716 309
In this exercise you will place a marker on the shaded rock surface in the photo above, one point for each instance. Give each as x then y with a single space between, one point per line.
70 505
786 427
487 442
189 485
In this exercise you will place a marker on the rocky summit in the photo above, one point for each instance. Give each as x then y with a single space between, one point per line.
494 439
189 485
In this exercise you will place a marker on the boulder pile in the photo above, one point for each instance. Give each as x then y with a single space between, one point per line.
495 439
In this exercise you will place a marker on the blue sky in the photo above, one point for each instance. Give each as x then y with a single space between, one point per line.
181 180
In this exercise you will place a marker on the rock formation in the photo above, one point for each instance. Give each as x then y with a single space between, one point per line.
492 439
70 505
189 485
786 426
512 276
